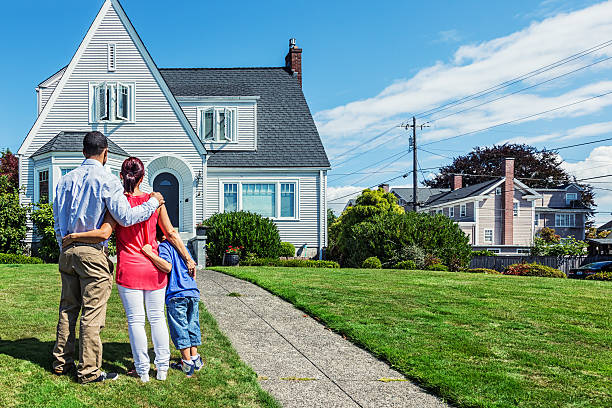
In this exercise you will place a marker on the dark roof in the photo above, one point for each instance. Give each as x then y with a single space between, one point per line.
607 226
73 142
601 241
461 193
286 133
423 193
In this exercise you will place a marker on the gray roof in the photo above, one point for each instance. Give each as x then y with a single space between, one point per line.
605 227
469 191
73 142
286 133
423 193
601 241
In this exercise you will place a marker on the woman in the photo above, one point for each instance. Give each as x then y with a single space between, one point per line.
141 285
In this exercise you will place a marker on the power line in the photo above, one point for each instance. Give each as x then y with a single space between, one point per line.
367 151
368 166
580 144
364 143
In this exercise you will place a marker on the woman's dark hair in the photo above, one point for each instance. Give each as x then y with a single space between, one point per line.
132 172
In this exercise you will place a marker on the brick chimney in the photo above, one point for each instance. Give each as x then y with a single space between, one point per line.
384 187
456 182
508 206
293 60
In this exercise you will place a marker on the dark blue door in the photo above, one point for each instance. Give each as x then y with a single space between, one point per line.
168 185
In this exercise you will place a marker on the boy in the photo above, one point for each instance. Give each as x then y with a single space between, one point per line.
182 299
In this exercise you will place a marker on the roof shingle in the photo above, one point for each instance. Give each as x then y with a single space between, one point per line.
73 142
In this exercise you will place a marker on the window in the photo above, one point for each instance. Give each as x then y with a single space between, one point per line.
488 235
515 209
569 197
43 186
439 211
451 212
463 210
112 57
113 102
565 220
67 170
523 251
536 220
230 197
218 125
259 198
287 198
498 191
494 250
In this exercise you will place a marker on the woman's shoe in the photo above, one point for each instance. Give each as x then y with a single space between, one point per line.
162 375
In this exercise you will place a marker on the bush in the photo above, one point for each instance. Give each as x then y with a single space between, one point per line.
290 263
602 276
437 267
12 219
372 263
287 250
18 259
533 269
408 265
409 253
484 270
256 234
42 217
483 252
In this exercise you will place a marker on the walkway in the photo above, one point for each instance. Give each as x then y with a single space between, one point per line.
298 360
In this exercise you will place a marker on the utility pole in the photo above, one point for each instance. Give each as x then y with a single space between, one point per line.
413 146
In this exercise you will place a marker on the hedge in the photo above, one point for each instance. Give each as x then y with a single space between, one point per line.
290 263
287 250
19 259
437 267
533 269
484 270
602 276
408 265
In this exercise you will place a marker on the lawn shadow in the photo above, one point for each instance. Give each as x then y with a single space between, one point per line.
116 356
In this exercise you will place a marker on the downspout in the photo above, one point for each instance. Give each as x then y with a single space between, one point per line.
322 217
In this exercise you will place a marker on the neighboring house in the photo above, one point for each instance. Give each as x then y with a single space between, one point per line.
404 195
212 139
605 227
504 214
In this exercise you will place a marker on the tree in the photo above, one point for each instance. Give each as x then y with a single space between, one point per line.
9 167
12 219
537 168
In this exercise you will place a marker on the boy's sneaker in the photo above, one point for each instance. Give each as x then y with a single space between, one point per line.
104 377
197 363
185 367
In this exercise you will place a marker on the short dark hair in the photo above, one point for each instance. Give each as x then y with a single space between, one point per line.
94 143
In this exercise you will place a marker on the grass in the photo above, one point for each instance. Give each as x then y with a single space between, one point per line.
29 296
475 340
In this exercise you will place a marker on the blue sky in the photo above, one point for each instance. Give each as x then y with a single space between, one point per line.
365 69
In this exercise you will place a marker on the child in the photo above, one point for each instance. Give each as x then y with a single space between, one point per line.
182 299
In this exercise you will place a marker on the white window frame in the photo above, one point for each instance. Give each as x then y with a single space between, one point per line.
536 220
569 220
112 106
498 191
37 184
463 210
233 126
112 57
277 197
567 199
451 212
516 208
485 236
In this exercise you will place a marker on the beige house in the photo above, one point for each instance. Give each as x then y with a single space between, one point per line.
503 215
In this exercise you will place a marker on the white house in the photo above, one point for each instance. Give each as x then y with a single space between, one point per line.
212 139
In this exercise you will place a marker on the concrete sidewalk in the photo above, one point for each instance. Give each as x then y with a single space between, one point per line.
298 360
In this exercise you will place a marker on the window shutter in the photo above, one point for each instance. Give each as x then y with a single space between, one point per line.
208 124
101 102
229 130
123 101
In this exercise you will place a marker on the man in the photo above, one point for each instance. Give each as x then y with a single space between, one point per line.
81 200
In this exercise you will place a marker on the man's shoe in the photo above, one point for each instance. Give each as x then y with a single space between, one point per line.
70 369
198 363
104 377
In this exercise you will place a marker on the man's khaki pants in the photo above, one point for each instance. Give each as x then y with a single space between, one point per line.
87 280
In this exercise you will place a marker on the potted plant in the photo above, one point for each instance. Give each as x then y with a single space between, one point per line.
232 256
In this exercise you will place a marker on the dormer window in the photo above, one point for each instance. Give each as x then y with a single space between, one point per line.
218 125
111 102
569 197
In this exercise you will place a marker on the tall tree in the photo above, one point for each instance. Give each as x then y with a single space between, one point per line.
9 167
536 168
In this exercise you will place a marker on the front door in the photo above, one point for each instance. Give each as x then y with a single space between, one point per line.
168 186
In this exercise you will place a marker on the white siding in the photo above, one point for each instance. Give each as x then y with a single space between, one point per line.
157 128
307 230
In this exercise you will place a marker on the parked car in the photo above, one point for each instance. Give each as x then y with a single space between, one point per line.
590 269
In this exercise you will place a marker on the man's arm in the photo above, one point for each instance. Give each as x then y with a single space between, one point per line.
56 225
120 208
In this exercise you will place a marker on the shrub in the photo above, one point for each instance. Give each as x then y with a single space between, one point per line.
437 267
287 250
372 263
290 263
484 270
602 276
409 253
483 252
408 265
533 269
431 260
18 259
256 234
12 219
42 217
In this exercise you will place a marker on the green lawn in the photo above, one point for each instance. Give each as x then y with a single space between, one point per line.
29 298
475 340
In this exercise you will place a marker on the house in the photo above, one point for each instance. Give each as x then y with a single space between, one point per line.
212 139
404 195
504 214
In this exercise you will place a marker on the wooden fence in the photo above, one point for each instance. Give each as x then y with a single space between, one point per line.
499 263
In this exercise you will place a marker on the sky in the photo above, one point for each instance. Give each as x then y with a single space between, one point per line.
366 71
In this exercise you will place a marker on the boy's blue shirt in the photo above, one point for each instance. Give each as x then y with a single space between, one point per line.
180 284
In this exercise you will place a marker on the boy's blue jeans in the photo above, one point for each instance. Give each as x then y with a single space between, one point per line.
184 322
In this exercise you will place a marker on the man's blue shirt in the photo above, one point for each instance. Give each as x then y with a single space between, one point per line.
180 283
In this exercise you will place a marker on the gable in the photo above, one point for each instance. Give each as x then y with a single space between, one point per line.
159 120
